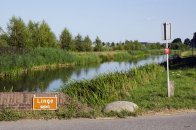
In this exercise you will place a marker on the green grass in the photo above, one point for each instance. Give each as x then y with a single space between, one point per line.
188 53
153 96
145 86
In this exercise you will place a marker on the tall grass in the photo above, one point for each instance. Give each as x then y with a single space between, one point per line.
35 57
117 56
42 56
86 58
145 86
122 55
115 86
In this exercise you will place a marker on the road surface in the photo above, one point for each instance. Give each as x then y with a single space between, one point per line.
184 121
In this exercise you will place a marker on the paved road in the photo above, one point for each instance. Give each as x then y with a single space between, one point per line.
185 121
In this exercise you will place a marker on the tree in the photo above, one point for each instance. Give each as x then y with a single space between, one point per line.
41 34
98 44
112 44
18 33
187 41
66 40
79 43
135 45
193 41
177 44
108 44
177 40
33 28
154 45
87 44
3 38
119 46
103 43
126 42
46 36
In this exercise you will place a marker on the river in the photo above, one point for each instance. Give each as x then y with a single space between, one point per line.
52 80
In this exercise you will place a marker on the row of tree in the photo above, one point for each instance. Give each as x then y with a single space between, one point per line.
27 36
178 44
39 34
36 34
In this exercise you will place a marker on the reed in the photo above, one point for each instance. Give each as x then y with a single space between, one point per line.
146 86
111 87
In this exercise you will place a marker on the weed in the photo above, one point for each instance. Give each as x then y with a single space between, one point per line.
9 115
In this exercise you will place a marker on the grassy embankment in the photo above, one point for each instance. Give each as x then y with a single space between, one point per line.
145 86
188 53
122 55
48 58
41 59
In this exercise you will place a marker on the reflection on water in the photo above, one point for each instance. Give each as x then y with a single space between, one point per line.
51 80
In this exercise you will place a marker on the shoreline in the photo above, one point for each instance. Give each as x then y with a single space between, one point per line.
81 58
35 68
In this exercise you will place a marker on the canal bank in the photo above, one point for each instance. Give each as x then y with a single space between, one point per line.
145 86
52 79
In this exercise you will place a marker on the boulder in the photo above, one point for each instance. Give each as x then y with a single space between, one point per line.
119 106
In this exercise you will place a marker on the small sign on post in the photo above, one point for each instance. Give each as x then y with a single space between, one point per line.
167 36
166 31
167 51
45 103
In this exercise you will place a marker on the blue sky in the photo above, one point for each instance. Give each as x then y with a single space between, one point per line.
111 20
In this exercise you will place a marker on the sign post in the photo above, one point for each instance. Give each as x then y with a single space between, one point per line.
167 36
45 103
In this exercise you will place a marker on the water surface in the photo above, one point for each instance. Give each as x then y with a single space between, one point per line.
51 80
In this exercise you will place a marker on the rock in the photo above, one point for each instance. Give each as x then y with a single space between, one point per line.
119 106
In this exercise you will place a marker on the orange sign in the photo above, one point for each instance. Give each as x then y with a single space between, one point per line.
45 103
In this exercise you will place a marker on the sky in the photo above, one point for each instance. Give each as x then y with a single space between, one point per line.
111 20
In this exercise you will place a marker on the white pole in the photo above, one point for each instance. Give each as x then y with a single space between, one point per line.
168 84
